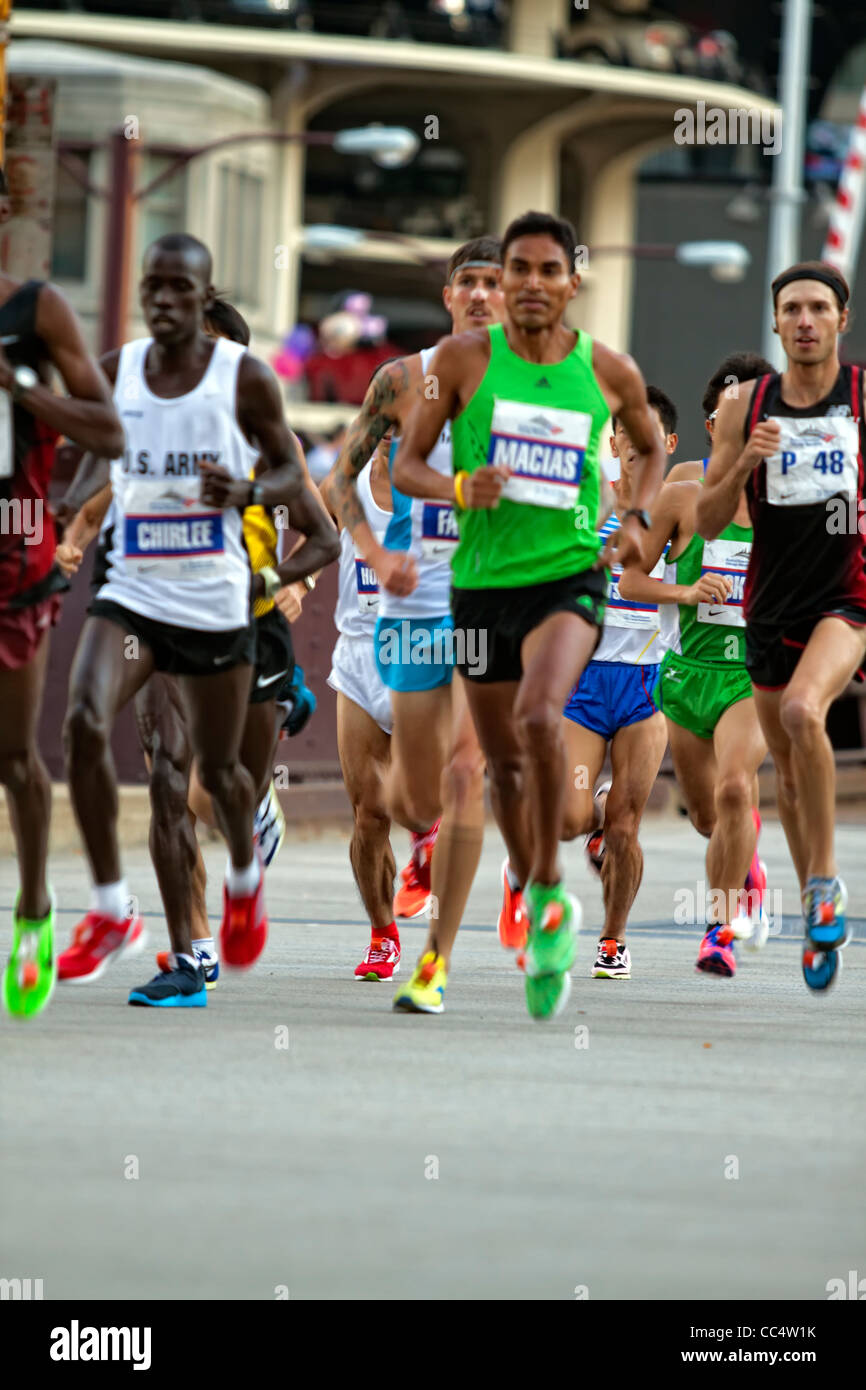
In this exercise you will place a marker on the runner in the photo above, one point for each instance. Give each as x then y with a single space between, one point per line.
436 762
739 367
177 594
174 784
38 333
706 695
612 706
528 400
364 720
796 442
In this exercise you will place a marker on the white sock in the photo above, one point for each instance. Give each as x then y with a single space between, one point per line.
513 883
110 899
242 882
190 960
204 946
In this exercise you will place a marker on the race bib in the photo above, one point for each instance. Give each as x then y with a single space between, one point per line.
817 459
368 586
169 533
438 531
624 612
544 448
7 437
730 558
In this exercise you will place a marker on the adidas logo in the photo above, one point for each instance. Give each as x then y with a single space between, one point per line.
543 382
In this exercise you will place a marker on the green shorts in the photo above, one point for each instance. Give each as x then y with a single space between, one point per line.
696 695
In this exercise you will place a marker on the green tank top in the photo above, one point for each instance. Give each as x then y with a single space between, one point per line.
544 421
707 632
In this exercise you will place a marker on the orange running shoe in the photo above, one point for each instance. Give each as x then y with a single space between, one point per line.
413 896
513 923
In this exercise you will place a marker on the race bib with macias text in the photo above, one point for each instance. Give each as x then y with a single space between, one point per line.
544 448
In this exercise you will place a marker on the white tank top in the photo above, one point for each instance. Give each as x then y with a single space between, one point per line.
428 531
631 634
358 589
171 557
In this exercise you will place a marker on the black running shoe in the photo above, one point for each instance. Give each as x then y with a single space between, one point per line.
182 986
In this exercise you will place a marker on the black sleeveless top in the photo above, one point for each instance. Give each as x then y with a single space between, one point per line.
808 556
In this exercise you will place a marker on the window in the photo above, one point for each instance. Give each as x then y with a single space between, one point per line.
239 244
69 251
164 210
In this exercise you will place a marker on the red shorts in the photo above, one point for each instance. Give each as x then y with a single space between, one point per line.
22 630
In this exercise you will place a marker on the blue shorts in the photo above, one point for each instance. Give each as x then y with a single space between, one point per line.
415 653
611 695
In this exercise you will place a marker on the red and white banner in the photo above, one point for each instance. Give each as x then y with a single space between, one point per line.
846 223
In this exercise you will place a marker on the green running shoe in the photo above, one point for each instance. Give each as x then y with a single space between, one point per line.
550 948
31 971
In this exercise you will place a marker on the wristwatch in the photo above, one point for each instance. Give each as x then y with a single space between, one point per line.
643 518
309 581
256 495
23 379
271 581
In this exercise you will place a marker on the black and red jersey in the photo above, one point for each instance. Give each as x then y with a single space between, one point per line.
27 536
808 555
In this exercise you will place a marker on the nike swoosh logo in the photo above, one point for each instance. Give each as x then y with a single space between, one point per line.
221 660
262 684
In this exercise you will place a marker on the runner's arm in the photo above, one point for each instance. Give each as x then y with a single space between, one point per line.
411 473
630 405
380 411
87 415
83 528
635 583
731 463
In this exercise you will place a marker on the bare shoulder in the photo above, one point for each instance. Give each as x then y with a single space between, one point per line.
676 496
109 364
618 374
733 408
686 472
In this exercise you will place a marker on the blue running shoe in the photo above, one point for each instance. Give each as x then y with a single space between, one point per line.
820 968
825 902
180 987
298 701
210 964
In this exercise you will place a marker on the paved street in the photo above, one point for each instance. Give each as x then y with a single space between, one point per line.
671 1136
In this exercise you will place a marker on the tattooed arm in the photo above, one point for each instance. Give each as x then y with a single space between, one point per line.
388 396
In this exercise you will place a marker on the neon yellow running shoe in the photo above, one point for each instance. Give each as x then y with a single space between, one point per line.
31 971
551 948
424 993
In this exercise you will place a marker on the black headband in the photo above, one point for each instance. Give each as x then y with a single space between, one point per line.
824 276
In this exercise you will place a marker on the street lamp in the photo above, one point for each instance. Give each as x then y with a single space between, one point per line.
389 146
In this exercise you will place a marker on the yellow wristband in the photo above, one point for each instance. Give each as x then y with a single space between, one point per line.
458 488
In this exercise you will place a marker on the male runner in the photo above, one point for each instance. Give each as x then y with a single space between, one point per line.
178 800
436 763
705 694
528 400
613 705
38 333
726 379
796 442
177 593
364 720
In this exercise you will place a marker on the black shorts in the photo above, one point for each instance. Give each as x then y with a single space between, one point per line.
498 620
275 657
182 651
772 652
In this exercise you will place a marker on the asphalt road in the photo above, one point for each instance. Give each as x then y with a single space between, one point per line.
673 1136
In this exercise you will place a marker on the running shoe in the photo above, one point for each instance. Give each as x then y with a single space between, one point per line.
820 968
825 902
716 954
613 961
31 971
551 947
595 850
244 928
181 986
381 959
96 942
424 993
513 921
209 964
269 825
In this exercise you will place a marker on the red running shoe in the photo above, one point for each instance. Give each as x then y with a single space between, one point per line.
413 896
244 928
513 922
381 960
716 955
96 942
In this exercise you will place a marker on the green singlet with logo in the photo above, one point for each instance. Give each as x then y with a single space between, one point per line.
698 683
544 421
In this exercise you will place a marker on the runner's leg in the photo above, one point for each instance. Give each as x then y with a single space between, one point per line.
420 746
24 776
491 706
364 751
740 749
216 709
791 813
636 753
584 759
694 761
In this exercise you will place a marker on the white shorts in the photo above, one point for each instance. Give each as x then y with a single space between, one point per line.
354 674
